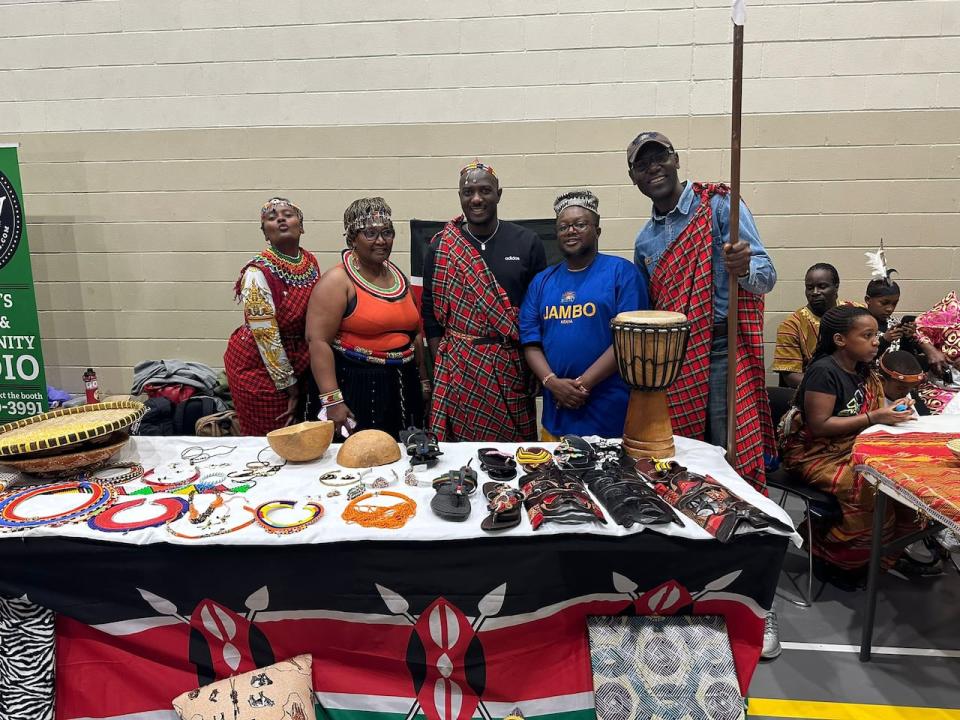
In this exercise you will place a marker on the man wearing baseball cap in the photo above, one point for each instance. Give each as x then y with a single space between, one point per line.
685 252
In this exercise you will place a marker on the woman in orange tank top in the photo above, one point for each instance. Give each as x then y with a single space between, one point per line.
363 330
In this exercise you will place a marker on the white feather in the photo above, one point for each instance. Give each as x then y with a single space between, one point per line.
877 264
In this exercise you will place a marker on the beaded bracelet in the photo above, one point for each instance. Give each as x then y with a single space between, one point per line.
262 515
331 398
134 471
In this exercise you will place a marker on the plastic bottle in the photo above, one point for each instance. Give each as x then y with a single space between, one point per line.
91 385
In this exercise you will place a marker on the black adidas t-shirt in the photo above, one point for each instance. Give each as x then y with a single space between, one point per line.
826 376
515 255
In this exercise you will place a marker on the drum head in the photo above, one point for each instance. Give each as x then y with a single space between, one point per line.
650 318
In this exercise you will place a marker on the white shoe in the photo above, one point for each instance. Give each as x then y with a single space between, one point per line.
771 637
948 540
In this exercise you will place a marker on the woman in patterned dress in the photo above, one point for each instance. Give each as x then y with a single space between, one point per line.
267 356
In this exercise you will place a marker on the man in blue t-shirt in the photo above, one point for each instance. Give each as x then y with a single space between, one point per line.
565 326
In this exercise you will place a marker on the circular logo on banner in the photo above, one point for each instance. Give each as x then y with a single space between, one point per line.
11 221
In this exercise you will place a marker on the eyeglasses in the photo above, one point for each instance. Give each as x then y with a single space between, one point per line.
660 158
387 233
579 226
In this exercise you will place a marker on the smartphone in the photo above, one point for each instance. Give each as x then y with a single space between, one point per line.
907 319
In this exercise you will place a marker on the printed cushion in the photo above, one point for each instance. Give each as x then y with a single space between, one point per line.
283 691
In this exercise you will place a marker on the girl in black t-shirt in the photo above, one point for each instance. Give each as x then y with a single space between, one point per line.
840 396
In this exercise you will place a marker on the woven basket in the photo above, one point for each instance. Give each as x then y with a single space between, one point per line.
67 426
67 464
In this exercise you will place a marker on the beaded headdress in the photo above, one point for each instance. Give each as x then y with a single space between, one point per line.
577 198
477 165
364 212
276 202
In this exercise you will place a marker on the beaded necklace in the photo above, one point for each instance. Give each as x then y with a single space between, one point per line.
96 497
398 284
299 271
262 514
171 509
389 517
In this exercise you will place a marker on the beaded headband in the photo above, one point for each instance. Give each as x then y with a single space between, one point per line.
577 198
377 217
274 203
477 165
899 375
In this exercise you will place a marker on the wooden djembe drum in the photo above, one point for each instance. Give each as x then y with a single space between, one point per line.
649 346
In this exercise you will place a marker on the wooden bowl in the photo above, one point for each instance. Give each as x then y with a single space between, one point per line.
67 464
302 442
368 448
954 447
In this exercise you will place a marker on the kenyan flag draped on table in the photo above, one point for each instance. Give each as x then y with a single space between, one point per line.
446 631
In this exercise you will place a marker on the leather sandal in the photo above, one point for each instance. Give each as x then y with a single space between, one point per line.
504 503
452 501
497 465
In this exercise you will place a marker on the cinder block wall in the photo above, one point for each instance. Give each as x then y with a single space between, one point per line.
151 132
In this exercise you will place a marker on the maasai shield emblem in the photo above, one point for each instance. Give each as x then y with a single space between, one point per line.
222 642
445 656
453 665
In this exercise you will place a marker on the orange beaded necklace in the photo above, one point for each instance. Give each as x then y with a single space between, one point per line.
380 516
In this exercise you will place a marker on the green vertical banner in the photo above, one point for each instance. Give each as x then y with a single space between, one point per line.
23 387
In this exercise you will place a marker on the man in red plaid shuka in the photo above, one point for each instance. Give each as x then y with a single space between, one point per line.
475 275
685 251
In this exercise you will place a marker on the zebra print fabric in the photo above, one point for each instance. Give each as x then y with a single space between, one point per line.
26 660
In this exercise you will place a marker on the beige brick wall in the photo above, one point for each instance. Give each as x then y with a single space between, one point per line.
151 132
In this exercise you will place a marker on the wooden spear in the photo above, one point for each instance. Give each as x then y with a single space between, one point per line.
734 236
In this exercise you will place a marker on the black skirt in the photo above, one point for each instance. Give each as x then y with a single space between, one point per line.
381 397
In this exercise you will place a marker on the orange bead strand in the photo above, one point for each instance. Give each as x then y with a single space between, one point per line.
389 517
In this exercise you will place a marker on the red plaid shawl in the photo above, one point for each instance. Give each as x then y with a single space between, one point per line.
683 282
482 392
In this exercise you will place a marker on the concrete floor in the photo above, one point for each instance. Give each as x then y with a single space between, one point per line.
916 660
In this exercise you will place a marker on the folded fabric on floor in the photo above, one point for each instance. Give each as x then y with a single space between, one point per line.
167 372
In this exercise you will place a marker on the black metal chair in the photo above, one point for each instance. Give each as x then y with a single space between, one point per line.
818 505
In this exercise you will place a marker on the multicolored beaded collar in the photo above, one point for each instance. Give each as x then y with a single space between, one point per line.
98 497
298 271
398 286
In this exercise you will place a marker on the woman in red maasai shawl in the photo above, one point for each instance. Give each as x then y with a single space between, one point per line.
267 355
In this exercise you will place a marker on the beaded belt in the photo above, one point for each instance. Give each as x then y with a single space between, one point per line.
376 357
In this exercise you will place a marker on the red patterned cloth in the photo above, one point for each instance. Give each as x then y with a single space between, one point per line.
920 464
683 282
255 396
483 390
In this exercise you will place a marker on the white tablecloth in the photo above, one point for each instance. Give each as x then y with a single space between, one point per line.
298 481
